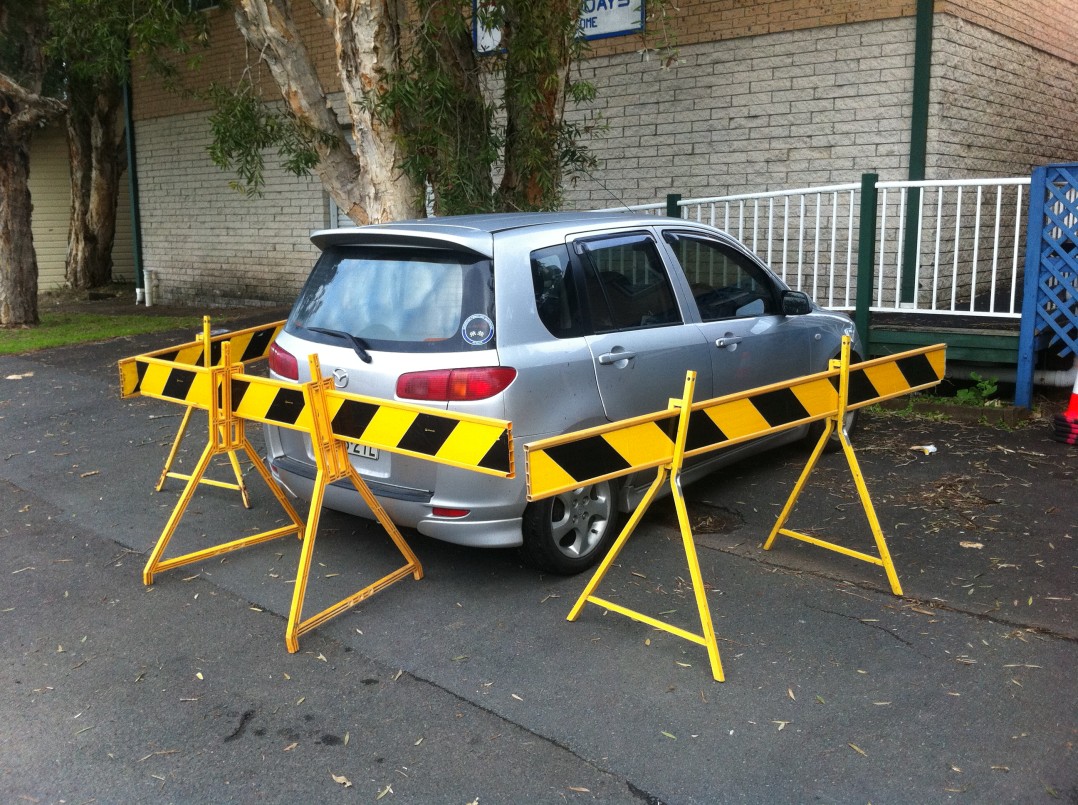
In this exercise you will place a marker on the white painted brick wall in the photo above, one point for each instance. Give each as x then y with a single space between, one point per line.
767 112
209 245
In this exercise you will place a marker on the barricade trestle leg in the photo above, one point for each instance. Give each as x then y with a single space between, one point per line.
331 459
832 425
226 436
667 472
208 357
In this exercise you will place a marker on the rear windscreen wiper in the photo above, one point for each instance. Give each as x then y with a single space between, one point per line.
358 344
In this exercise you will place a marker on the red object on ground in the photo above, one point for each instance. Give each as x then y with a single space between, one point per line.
1065 425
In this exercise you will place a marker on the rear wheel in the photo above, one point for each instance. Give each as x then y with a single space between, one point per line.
571 532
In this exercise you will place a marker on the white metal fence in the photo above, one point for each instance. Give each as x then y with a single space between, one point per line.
966 260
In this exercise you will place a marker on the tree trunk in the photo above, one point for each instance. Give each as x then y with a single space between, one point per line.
365 184
539 39
451 128
368 47
95 132
22 111
18 261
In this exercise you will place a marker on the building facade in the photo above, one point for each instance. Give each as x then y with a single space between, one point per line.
740 96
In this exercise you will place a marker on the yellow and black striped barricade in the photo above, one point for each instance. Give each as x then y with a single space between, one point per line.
332 419
585 457
248 346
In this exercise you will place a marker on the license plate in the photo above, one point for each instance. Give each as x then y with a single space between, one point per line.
363 451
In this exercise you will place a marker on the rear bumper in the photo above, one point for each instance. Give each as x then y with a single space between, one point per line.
495 523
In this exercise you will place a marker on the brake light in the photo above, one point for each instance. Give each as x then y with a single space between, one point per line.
455 385
283 363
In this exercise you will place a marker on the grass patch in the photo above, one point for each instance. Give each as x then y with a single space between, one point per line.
62 329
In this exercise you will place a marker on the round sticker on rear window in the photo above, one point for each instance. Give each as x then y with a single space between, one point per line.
477 330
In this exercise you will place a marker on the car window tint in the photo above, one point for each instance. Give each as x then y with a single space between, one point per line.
398 299
725 283
556 298
627 284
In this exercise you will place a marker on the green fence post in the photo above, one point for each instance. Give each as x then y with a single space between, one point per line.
672 208
866 259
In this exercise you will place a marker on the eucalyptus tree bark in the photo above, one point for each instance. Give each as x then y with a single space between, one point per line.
95 139
539 35
452 126
22 111
365 182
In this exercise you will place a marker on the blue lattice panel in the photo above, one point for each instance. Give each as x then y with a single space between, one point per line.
1050 306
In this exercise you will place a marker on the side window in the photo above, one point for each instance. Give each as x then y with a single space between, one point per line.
556 298
627 284
725 283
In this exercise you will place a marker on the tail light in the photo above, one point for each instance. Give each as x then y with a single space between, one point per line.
283 362
455 385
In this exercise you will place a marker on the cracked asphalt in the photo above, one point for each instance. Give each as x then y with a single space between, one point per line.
470 686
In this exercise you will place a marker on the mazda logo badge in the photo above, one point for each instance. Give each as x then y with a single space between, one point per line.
340 378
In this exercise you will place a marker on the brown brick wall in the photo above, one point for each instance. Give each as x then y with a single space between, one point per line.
694 22
225 60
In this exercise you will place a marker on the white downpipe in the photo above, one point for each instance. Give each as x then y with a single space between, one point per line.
149 276
1061 378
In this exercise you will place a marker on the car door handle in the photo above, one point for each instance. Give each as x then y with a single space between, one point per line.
608 358
728 341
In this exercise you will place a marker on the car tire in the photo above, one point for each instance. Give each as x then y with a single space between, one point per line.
571 532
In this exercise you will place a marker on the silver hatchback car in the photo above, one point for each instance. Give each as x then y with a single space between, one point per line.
554 321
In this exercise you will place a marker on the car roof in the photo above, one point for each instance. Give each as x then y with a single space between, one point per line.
476 232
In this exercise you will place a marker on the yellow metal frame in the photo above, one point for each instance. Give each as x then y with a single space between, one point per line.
671 471
167 472
835 424
227 435
331 459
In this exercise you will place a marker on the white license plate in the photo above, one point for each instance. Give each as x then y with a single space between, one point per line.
363 451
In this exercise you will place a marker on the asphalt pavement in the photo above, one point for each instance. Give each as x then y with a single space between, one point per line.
470 685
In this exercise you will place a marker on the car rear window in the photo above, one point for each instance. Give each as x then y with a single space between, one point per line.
399 299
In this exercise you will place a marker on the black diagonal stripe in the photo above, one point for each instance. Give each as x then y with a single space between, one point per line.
353 418
427 434
215 352
861 388
588 458
917 370
169 356
239 388
779 407
497 457
259 344
140 370
286 407
703 432
178 384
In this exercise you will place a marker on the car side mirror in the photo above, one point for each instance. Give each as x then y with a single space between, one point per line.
796 303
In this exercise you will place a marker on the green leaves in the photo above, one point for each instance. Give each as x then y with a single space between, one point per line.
244 126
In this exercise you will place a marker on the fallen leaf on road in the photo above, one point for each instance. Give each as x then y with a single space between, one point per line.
790 693
88 474
668 735
857 749
968 544
291 746
387 790
340 778
580 789
782 726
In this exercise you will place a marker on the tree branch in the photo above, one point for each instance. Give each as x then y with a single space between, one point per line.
22 110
